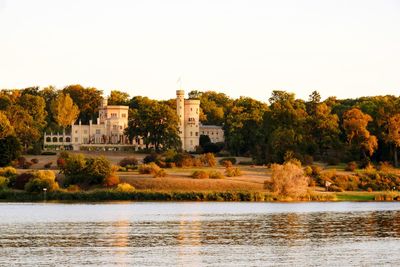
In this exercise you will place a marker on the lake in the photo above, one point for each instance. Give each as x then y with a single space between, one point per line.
200 234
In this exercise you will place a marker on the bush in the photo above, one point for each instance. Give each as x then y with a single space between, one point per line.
125 187
215 175
150 168
351 166
48 165
185 160
160 173
316 170
335 188
86 171
3 183
200 175
287 180
42 179
128 162
153 157
73 188
308 171
22 179
231 159
111 180
34 161
208 159
8 172
232 172
384 167
227 163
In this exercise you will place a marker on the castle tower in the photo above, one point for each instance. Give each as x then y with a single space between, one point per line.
180 109
188 112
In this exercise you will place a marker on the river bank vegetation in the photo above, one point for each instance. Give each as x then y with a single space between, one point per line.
293 148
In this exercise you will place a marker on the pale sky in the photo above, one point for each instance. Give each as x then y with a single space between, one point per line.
347 48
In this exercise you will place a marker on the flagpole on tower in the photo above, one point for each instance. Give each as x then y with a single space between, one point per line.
179 82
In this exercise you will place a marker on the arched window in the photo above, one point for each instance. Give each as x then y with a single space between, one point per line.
60 139
48 139
68 139
55 139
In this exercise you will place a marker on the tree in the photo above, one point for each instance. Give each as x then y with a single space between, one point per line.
10 150
64 110
5 126
355 125
35 106
25 128
394 134
154 122
88 100
118 98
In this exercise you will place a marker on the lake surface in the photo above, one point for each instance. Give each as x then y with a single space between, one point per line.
200 234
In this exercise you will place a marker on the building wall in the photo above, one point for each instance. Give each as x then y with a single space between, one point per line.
216 133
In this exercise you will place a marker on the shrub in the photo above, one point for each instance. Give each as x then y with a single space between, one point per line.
160 173
335 188
215 175
316 170
3 183
227 163
48 165
10 149
8 172
125 187
184 160
308 171
200 175
61 163
384 167
73 188
232 172
208 159
42 179
128 162
34 161
231 159
22 179
150 168
153 157
294 161
351 166
111 180
287 180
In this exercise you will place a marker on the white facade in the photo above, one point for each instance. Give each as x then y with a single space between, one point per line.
189 126
216 133
108 130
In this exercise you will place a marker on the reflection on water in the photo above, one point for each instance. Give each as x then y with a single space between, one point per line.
199 234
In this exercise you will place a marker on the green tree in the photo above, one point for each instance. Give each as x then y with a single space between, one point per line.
10 149
88 100
118 98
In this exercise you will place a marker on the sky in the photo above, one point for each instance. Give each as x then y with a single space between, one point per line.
345 48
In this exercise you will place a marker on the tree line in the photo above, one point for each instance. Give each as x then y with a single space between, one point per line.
280 128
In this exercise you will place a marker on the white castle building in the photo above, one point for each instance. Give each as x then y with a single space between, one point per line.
108 131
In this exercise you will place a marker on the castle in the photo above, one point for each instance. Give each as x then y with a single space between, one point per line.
108 131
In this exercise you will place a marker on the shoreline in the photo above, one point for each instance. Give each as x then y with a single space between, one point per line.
108 195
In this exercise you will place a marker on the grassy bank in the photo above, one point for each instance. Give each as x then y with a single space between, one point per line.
110 195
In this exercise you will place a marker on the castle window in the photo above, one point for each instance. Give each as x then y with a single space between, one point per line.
123 115
76 131
197 133
113 115
191 133
85 131
97 131
120 127
76 139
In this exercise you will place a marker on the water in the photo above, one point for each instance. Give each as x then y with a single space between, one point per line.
200 234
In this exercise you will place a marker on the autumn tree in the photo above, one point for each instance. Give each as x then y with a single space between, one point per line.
64 110
5 126
394 134
355 124
87 99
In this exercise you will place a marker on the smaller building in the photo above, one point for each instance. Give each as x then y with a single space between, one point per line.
214 132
